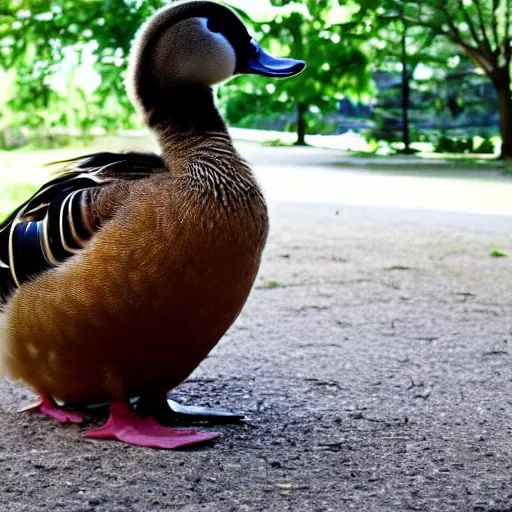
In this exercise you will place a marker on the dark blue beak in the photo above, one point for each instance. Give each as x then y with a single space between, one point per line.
262 63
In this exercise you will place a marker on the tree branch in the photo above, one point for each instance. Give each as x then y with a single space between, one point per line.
479 59
494 23
475 53
454 31
469 21
507 41
486 40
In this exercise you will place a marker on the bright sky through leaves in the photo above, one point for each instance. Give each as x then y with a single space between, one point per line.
256 9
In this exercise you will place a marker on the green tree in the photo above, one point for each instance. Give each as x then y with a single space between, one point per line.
337 66
481 28
37 37
398 46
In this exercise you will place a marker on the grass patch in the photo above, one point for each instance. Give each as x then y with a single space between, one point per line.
271 284
277 143
12 195
497 254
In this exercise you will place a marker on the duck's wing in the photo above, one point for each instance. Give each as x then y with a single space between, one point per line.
59 219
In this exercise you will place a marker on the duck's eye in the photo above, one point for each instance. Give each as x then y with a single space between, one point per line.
213 26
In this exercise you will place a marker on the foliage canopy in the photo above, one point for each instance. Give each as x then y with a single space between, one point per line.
48 42
481 28
46 46
337 66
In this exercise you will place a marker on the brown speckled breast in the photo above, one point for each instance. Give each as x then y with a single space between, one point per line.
165 289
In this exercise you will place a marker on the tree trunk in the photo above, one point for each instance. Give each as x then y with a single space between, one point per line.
405 93
505 97
502 82
301 124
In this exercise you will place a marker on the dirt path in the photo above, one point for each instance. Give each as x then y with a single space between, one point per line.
375 368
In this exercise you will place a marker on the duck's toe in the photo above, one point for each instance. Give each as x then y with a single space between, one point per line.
48 407
124 425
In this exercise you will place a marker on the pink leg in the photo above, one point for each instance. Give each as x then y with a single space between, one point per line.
48 407
124 425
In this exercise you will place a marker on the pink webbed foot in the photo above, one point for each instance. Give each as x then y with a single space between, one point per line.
48 407
124 425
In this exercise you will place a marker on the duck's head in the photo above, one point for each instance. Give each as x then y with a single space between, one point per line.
196 43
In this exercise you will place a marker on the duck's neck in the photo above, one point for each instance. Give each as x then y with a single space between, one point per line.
185 119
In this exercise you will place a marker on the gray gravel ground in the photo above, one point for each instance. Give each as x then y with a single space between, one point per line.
373 359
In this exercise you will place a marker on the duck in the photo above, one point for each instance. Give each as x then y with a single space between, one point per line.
120 275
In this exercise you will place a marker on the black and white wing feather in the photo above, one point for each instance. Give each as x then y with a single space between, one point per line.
56 222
